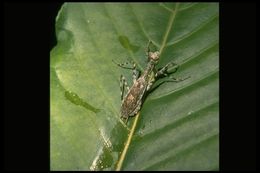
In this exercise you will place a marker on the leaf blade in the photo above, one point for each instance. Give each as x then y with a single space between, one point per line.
86 132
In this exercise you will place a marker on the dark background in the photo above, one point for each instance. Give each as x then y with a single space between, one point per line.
53 11
29 35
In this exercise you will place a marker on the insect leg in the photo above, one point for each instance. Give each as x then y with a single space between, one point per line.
123 65
123 85
136 73
147 49
164 71
172 79
150 84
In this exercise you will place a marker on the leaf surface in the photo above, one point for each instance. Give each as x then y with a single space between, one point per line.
178 125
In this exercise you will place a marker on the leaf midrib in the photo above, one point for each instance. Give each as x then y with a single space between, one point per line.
130 136
129 139
170 24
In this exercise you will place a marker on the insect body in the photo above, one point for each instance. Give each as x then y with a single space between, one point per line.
132 102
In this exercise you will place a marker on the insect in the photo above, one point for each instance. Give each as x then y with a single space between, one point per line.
133 99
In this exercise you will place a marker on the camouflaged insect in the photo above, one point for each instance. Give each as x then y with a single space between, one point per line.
132 102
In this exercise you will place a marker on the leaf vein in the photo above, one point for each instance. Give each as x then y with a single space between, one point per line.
198 28
117 32
168 29
185 150
205 77
182 120
141 26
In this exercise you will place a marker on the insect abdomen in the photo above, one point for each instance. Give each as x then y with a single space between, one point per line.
132 101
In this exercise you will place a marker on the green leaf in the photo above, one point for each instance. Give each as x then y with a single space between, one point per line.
178 125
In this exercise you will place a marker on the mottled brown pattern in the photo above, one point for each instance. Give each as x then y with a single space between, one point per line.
131 104
133 99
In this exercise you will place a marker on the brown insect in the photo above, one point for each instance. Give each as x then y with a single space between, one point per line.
132 102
